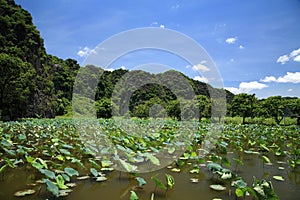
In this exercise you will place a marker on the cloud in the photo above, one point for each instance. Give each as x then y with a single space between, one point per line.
241 47
294 55
154 24
123 67
290 77
295 52
85 52
200 67
231 40
175 7
109 69
283 59
162 26
268 79
297 58
246 87
290 90
201 79
233 90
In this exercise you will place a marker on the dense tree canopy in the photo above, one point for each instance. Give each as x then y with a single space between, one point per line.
36 84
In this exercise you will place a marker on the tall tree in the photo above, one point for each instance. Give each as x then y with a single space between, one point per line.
274 107
243 105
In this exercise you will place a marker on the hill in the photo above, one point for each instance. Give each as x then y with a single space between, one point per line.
36 84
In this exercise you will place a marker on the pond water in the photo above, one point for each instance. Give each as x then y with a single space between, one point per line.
118 185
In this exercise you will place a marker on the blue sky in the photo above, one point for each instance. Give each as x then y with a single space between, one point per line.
254 44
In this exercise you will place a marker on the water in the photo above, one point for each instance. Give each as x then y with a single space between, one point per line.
118 185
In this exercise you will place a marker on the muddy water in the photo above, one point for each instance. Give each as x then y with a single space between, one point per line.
118 185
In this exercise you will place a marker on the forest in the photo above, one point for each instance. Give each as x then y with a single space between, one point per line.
35 84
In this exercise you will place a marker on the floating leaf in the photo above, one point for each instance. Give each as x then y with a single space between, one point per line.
101 178
71 185
226 175
48 173
107 169
194 171
152 158
83 177
264 147
29 159
194 180
175 170
278 178
94 172
61 182
239 192
217 187
6 143
214 167
51 187
171 150
66 177
24 192
63 193
71 172
266 159
128 167
133 195
64 151
106 163
141 181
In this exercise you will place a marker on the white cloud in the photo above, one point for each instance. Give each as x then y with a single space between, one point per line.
289 90
297 58
200 67
85 52
162 26
294 55
253 85
283 59
231 60
295 52
109 69
175 7
188 66
123 67
246 87
233 90
201 79
154 24
268 79
241 47
290 77
231 40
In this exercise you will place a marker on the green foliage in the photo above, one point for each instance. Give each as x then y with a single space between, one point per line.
243 105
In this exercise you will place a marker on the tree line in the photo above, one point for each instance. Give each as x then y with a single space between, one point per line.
34 84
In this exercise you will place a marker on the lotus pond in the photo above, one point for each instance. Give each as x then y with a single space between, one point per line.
49 159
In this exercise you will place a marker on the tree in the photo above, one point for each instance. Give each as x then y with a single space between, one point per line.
274 107
203 105
104 108
15 85
294 107
243 105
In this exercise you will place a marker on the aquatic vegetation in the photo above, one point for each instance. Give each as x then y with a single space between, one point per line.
55 152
